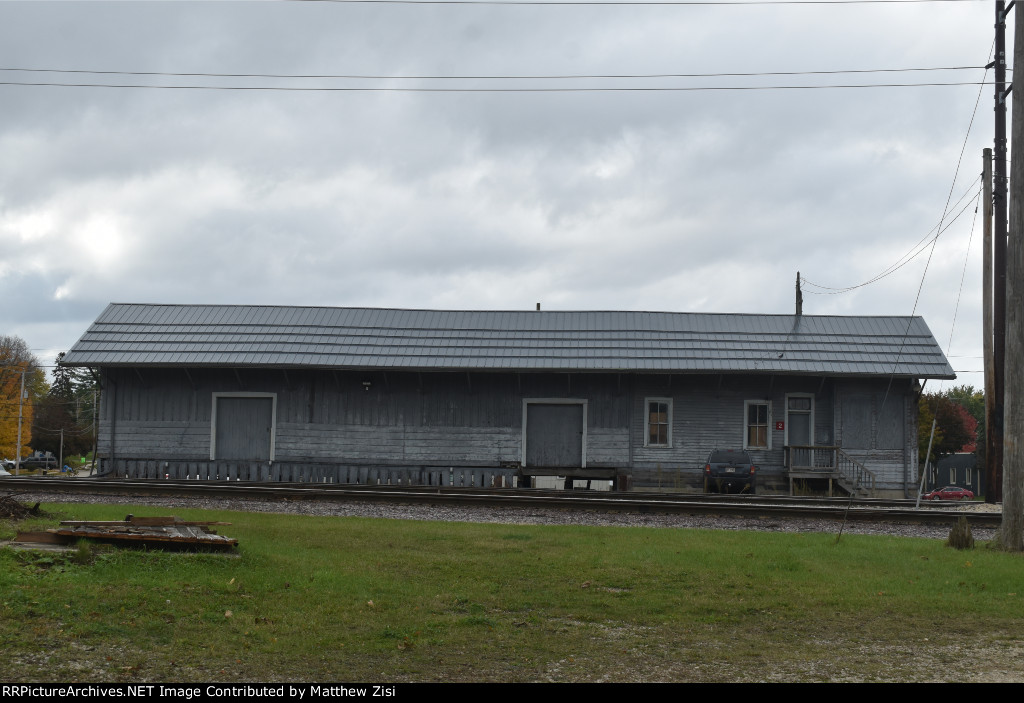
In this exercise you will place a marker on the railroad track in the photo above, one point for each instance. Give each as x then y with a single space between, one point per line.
861 510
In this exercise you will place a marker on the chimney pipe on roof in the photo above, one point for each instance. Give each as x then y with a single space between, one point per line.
799 296
538 306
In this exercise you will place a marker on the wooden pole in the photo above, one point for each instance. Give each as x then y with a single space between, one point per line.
95 431
992 478
999 199
21 417
1011 534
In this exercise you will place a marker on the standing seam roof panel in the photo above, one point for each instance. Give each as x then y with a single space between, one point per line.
595 340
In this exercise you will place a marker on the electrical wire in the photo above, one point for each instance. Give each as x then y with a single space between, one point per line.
935 241
945 211
963 275
914 251
486 77
704 3
75 432
919 248
963 148
392 89
40 402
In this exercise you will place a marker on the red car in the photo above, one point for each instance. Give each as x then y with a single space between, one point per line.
949 493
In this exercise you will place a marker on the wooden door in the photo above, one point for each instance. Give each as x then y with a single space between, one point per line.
244 428
554 434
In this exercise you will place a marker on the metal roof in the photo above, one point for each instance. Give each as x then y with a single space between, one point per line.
449 340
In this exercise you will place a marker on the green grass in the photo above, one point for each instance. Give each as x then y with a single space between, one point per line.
362 599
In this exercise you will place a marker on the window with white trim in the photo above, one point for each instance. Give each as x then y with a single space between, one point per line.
757 415
658 422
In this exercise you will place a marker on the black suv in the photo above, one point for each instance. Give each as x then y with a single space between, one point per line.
728 470
38 460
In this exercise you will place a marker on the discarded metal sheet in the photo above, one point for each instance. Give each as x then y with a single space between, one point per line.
40 538
161 532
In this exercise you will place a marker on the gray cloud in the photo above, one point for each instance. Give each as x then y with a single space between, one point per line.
667 201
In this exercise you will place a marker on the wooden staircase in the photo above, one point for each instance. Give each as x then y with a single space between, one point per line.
831 463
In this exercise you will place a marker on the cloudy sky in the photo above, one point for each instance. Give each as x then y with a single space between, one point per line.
678 200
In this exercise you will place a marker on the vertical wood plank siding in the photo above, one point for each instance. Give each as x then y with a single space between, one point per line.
877 425
430 424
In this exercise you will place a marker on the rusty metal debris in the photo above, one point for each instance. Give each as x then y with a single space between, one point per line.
159 532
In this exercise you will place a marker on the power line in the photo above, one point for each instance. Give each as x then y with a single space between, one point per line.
963 275
83 404
704 3
935 241
72 431
967 253
946 209
916 250
487 77
603 89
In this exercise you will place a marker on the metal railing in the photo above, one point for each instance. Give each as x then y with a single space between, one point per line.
858 475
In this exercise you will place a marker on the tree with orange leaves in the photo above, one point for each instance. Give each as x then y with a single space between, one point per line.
16 359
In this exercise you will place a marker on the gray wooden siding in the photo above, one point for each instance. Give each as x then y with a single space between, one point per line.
442 419
475 420
186 441
708 414
877 425
419 445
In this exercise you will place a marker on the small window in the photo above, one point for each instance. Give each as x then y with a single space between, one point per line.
800 404
659 422
757 434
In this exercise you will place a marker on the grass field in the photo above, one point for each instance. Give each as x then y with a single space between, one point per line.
352 599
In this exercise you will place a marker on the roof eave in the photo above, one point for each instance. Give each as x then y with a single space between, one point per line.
818 373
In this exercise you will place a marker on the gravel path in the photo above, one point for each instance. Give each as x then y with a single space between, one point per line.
517 515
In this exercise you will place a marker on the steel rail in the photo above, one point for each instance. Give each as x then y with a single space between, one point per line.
348 488
665 503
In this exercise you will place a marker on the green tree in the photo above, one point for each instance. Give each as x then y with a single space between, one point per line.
974 402
955 428
63 422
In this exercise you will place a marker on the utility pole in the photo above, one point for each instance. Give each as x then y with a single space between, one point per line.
21 415
999 255
95 432
1011 533
992 477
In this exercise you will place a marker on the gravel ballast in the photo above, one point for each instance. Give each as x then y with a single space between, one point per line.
516 515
